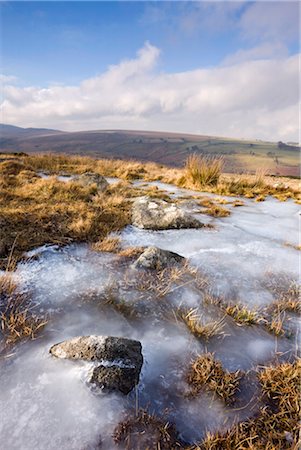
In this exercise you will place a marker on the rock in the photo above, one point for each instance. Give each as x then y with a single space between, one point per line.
89 178
115 378
156 258
152 214
120 359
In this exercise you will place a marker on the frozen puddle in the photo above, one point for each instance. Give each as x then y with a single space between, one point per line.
45 403
65 178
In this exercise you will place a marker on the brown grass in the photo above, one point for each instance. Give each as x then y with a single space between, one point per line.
17 320
247 185
49 211
145 431
203 171
217 211
162 282
35 211
108 244
276 427
242 315
207 373
131 252
196 325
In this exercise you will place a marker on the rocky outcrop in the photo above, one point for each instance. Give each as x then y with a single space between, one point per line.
118 361
156 258
156 214
89 178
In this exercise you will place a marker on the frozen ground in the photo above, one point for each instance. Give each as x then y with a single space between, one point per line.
45 403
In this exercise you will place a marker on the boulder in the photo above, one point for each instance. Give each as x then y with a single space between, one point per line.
156 258
89 178
118 361
153 214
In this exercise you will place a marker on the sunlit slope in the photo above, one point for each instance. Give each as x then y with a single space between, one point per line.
161 147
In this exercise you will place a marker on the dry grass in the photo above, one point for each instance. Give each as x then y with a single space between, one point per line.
213 207
237 203
207 373
131 252
248 185
272 318
145 431
242 315
287 294
276 427
203 171
196 325
163 282
38 211
296 247
49 211
17 320
108 244
217 211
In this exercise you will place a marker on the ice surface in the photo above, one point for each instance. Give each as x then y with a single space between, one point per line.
46 404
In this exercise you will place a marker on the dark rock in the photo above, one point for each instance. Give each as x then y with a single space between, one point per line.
115 378
120 359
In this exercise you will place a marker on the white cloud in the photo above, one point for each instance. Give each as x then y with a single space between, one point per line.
7 78
272 20
266 50
256 99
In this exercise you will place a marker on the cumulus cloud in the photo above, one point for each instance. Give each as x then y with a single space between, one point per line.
255 99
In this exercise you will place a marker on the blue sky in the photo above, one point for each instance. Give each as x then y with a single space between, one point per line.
49 44
68 41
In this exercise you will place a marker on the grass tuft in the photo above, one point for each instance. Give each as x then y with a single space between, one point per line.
193 321
202 170
17 321
276 426
108 244
242 315
207 373
146 431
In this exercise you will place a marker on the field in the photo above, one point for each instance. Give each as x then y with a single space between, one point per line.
240 156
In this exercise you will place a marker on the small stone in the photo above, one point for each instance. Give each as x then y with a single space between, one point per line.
90 178
156 258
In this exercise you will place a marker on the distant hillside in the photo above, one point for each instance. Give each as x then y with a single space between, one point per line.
11 131
161 147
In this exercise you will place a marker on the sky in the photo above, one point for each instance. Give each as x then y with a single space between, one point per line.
222 68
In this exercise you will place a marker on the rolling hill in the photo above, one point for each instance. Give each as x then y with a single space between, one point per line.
161 147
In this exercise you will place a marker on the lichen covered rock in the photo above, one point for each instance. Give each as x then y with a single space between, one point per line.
153 214
156 258
118 360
